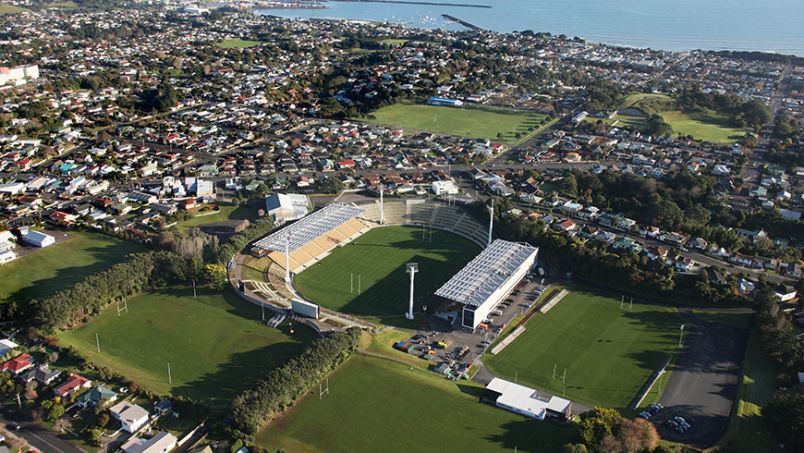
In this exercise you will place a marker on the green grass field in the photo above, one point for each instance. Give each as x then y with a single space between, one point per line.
608 353
11 9
237 43
758 384
462 122
225 212
379 258
378 405
708 126
215 344
46 271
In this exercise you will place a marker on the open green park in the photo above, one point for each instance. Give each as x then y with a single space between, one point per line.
378 405
704 125
215 344
469 122
43 272
367 276
608 352
237 43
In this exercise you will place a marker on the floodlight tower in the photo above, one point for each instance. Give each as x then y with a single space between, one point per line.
491 220
287 257
382 206
412 269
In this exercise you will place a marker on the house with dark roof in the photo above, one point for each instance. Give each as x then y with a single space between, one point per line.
42 374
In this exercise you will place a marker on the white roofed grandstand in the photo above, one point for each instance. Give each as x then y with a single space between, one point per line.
312 237
483 283
310 228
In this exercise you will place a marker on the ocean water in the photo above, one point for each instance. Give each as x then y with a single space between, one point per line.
756 25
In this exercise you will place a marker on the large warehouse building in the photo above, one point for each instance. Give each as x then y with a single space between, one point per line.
488 279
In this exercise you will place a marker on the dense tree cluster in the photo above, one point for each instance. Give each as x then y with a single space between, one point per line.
239 241
777 335
784 417
604 430
88 297
753 113
283 386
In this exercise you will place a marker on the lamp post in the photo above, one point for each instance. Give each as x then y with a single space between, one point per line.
680 335
412 269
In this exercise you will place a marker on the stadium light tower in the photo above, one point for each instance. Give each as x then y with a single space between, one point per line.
411 269
287 257
491 220
382 206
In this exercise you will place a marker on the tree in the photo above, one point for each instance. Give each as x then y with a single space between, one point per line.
599 423
215 275
575 448
30 391
61 425
638 435
784 417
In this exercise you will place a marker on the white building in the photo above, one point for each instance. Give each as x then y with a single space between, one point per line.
6 241
444 188
527 401
19 75
287 207
12 188
488 279
131 416
162 442
36 238
7 346
7 256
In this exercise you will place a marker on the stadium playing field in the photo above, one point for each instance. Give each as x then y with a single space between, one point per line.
608 353
462 122
45 272
215 344
395 408
375 262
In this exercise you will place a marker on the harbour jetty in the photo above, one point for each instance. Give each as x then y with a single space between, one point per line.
413 2
462 22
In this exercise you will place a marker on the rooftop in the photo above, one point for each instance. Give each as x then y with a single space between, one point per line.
478 280
298 234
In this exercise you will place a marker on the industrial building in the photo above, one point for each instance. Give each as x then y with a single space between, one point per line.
488 279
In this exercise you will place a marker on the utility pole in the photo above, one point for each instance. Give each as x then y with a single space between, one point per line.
287 257
170 378
382 205
97 342
681 335
195 295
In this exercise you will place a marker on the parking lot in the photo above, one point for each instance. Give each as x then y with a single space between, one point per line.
465 347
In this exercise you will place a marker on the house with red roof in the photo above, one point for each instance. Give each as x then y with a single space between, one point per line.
18 364
73 383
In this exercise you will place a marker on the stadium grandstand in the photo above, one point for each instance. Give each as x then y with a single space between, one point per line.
312 237
423 212
488 279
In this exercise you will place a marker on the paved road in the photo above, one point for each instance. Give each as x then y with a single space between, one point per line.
703 385
41 439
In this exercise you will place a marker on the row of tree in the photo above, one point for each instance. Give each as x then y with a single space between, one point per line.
283 386
604 430
85 299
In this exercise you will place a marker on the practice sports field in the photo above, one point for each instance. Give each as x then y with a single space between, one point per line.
462 122
379 405
11 9
376 264
47 271
237 43
608 353
215 344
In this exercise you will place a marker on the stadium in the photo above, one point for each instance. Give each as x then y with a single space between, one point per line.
351 259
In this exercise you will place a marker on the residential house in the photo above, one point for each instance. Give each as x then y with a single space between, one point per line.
18 364
74 383
42 374
131 416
